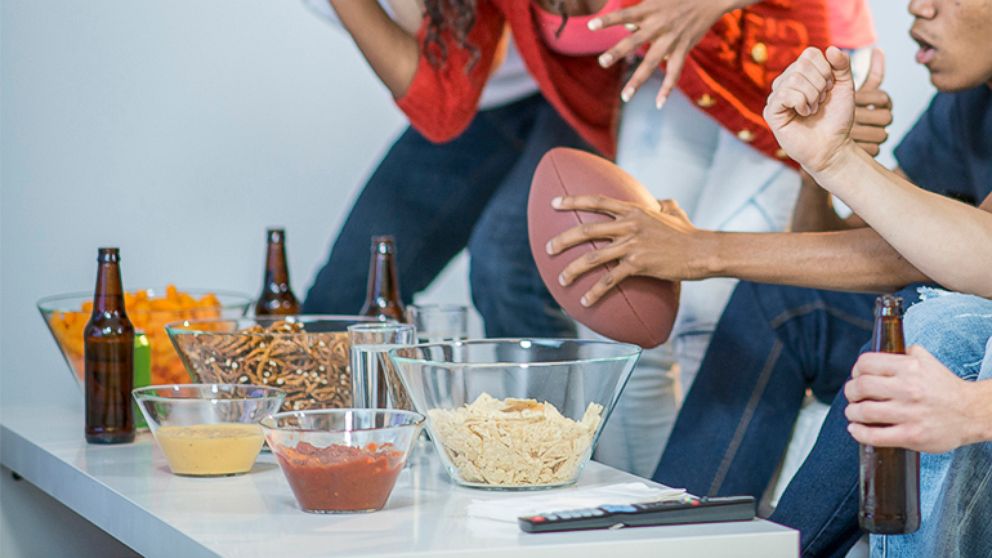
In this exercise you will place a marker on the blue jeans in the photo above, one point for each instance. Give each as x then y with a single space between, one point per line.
436 199
771 345
955 487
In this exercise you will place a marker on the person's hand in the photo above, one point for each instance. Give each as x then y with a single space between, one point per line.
873 108
673 27
654 241
910 401
811 108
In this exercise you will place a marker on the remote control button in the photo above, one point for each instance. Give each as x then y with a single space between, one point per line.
553 517
537 519
619 509
598 513
695 503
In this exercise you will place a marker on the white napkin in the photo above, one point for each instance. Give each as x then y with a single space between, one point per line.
509 508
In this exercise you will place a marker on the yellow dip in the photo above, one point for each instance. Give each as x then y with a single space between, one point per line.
226 448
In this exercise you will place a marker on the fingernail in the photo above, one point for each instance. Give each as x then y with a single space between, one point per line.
595 24
660 102
605 59
627 95
850 427
584 302
630 27
549 249
556 202
561 281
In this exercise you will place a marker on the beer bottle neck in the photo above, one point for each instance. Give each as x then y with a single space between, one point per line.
383 283
887 335
276 270
108 296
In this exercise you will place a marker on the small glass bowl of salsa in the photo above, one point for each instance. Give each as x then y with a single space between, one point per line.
342 460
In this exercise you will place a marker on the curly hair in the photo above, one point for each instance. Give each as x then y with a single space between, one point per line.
458 17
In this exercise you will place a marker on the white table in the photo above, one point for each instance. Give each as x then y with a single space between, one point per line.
127 491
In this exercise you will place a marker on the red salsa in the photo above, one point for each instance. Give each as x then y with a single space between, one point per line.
341 478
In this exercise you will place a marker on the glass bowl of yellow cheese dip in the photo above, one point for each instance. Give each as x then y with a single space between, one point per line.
208 430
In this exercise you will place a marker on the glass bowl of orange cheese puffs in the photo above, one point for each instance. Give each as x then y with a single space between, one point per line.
149 310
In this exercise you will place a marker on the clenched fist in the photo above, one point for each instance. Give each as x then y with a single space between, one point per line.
811 108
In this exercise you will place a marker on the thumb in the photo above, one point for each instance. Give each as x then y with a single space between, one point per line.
876 71
840 63
672 207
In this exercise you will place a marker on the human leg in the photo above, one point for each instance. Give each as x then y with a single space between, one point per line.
745 191
961 525
771 344
670 153
429 196
957 330
506 287
821 501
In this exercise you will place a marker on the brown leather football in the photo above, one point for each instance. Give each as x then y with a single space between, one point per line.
640 310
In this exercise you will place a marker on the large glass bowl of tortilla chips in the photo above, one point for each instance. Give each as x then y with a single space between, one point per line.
515 414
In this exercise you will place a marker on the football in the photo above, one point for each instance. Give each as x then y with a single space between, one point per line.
640 310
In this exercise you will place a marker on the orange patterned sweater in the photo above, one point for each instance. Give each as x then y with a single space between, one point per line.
728 75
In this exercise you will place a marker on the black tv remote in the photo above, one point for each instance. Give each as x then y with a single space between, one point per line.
688 509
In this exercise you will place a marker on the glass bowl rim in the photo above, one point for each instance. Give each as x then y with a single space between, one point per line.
144 393
45 303
441 306
181 327
633 351
268 423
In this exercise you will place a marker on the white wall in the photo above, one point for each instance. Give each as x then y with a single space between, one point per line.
178 130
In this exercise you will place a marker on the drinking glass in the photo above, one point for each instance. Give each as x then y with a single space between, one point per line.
375 383
438 323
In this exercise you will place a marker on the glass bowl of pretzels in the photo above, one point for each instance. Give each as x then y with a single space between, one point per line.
308 356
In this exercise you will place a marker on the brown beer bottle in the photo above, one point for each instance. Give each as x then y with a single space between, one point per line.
890 477
276 299
383 299
109 352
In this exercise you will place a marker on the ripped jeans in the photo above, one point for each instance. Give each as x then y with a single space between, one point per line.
955 487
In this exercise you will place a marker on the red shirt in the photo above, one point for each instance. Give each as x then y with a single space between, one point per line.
728 75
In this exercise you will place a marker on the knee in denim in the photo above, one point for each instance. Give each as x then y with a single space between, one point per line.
954 328
950 315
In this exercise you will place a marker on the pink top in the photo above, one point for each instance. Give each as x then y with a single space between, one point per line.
576 39
851 25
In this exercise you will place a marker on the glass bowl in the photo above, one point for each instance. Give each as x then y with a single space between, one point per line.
208 430
342 460
308 356
149 310
515 414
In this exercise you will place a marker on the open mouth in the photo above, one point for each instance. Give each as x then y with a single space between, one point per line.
926 52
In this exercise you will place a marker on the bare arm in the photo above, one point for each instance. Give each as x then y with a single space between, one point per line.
439 97
409 14
948 240
814 211
849 260
811 111
390 50
660 242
